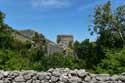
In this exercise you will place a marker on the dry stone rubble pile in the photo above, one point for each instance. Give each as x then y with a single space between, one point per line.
59 75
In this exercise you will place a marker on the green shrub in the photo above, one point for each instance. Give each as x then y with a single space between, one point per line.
60 61
113 62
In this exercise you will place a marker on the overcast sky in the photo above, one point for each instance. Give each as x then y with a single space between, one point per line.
52 17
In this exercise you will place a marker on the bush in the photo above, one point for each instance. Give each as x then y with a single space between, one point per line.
12 60
58 61
113 62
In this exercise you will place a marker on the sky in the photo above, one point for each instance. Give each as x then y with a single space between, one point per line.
53 17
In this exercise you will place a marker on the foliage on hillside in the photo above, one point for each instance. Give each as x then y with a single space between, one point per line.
28 54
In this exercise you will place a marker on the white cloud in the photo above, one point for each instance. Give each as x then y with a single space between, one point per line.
51 3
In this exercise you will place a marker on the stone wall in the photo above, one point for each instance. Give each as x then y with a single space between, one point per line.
58 76
53 48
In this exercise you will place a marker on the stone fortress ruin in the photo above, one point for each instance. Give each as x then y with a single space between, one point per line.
64 40
61 45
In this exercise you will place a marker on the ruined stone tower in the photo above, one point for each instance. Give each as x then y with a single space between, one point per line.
64 40
62 46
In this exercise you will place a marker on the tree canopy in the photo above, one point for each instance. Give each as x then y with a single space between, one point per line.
109 25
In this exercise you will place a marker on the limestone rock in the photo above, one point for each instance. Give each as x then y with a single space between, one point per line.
58 75
81 73
1 81
1 76
19 79
54 79
87 79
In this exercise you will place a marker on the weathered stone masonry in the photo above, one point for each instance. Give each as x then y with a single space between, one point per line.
58 76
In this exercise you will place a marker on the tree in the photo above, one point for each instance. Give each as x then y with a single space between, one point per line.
107 23
76 46
118 22
101 18
89 52
2 16
5 33
40 45
38 38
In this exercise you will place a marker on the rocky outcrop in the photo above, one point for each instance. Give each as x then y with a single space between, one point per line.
59 75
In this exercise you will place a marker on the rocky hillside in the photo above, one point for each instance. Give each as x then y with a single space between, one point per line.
24 35
27 33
